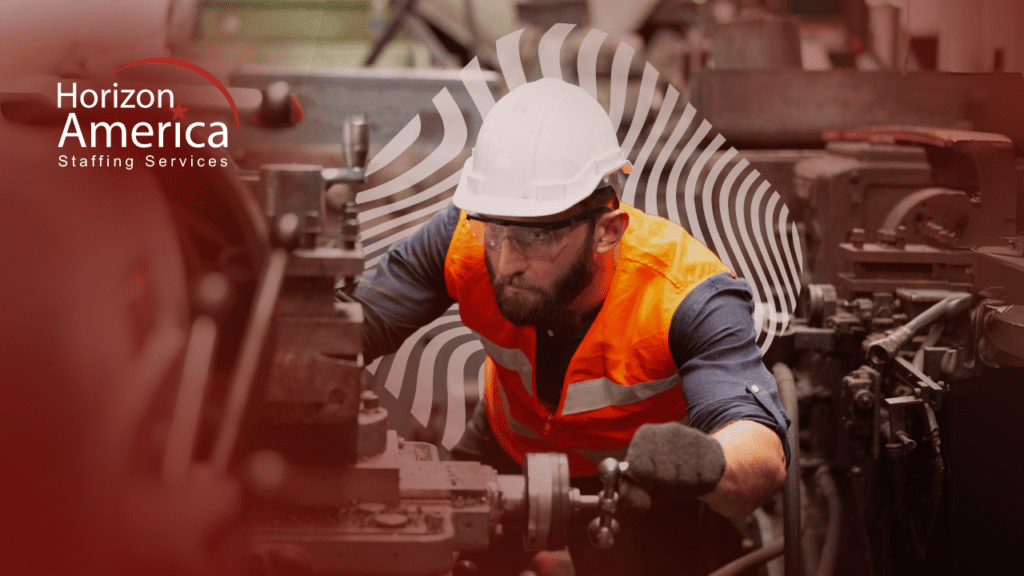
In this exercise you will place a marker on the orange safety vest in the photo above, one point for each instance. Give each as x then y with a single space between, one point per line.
621 376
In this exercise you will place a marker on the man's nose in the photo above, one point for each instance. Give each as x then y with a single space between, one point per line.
510 261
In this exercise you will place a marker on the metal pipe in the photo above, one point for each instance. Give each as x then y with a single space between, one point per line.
474 31
759 556
938 473
195 373
934 333
764 528
830 549
791 491
257 331
422 31
391 29
882 350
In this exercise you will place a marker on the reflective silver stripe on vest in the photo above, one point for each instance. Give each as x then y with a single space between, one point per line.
511 359
599 455
518 428
602 392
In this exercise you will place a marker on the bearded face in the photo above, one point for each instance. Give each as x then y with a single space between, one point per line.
529 303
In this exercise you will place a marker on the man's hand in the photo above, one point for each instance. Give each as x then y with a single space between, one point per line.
668 462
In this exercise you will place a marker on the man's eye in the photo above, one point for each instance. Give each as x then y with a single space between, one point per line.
492 233
534 235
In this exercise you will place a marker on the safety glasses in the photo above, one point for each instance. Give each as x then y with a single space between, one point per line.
534 240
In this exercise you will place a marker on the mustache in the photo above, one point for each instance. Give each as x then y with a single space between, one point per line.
515 281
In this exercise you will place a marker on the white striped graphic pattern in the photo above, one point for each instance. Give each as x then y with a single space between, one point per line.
726 204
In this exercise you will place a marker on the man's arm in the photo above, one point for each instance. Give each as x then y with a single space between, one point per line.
729 392
406 289
755 468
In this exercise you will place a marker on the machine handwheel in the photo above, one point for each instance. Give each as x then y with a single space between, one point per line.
548 507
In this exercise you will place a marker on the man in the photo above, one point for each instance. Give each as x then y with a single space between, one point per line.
604 328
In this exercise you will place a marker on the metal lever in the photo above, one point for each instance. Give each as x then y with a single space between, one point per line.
355 144
355 141
604 527
900 442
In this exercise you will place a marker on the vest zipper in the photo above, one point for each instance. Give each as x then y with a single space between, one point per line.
552 431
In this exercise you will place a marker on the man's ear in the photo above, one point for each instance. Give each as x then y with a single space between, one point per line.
609 230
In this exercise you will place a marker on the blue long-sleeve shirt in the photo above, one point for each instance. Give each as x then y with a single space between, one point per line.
711 335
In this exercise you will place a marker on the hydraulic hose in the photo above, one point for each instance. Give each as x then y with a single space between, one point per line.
759 556
830 549
791 491
934 333
936 486
938 473
882 350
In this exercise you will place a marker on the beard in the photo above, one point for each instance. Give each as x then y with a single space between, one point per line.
540 305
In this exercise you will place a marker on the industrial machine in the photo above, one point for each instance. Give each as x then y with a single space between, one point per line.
271 389
337 491
901 369
907 350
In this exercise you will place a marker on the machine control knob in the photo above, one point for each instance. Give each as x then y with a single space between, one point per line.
604 526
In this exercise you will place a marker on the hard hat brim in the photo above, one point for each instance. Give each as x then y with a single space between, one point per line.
465 199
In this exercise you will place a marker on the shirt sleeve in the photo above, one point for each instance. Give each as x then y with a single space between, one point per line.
406 289
713 343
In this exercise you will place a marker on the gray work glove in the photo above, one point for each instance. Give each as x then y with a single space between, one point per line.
669 462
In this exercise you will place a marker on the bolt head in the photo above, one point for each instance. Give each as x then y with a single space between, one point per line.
864 399
369 400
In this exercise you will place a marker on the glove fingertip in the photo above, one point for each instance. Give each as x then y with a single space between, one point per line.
634 498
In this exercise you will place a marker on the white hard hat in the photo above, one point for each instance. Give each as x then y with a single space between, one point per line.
543 147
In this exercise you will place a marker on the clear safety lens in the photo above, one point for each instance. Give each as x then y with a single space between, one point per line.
533 243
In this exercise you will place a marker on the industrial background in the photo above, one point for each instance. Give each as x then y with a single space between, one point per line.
859 162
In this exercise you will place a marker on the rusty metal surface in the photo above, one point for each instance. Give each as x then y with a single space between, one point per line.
852 284
1005 329
853 186
758 108
307 376
999 266
860 189
909 254
918 202
318 487
473 525
308 336
423 479
324 261
365 542
942 137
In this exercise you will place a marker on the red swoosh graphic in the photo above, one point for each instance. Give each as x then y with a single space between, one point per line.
188 66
